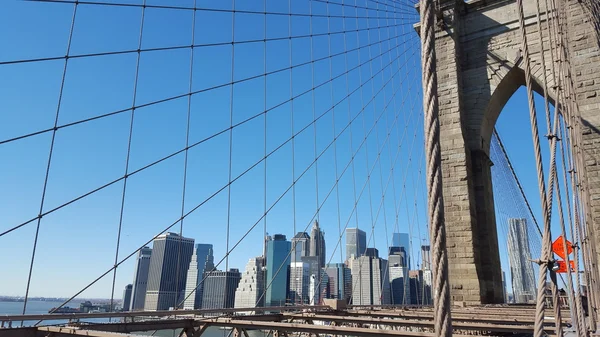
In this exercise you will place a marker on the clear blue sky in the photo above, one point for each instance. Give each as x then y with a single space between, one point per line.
77 243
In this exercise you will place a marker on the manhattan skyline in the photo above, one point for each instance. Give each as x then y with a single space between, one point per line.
95 153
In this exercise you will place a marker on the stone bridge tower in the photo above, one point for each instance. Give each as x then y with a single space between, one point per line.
479 68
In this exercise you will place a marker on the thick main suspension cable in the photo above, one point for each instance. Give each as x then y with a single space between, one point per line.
441 284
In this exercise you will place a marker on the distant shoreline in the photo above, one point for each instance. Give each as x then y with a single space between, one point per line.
52 299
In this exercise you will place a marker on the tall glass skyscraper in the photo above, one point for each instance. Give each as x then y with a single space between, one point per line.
299 281
403 240
521 268
301 243
398 274
340 281
202 260
140 279
278 266
356 242
169 263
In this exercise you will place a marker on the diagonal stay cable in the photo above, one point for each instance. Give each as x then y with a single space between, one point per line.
348 126
164 100
218 10
336 183
512 170
176 153
403 190
187 46
401 141
186 154
399 9
128 157
389 179
209 198
50 152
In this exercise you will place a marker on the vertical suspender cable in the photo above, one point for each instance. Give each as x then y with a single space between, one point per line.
441 284
552 139
545 261
576 307
576 237
566 116
579 170
49 162
127 159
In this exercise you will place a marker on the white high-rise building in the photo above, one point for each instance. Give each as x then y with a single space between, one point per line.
317 289
249 293
202 260
427 287
370 285
519 257
299 282
170 260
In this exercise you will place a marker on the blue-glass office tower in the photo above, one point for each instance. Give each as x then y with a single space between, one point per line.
278 266
402 240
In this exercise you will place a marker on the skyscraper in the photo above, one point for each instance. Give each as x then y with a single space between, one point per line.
127 297
427 286
504 287
313 264
398 274
426 257
299 282
400 287
397 256
219 289
250 290
415 277
140 279
317 244
167 274
340 281
301 243
370 285
202 260
372 252
356 242
319 284
402 240
521 268
278 268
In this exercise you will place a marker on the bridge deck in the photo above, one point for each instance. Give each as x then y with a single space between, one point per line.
359 321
